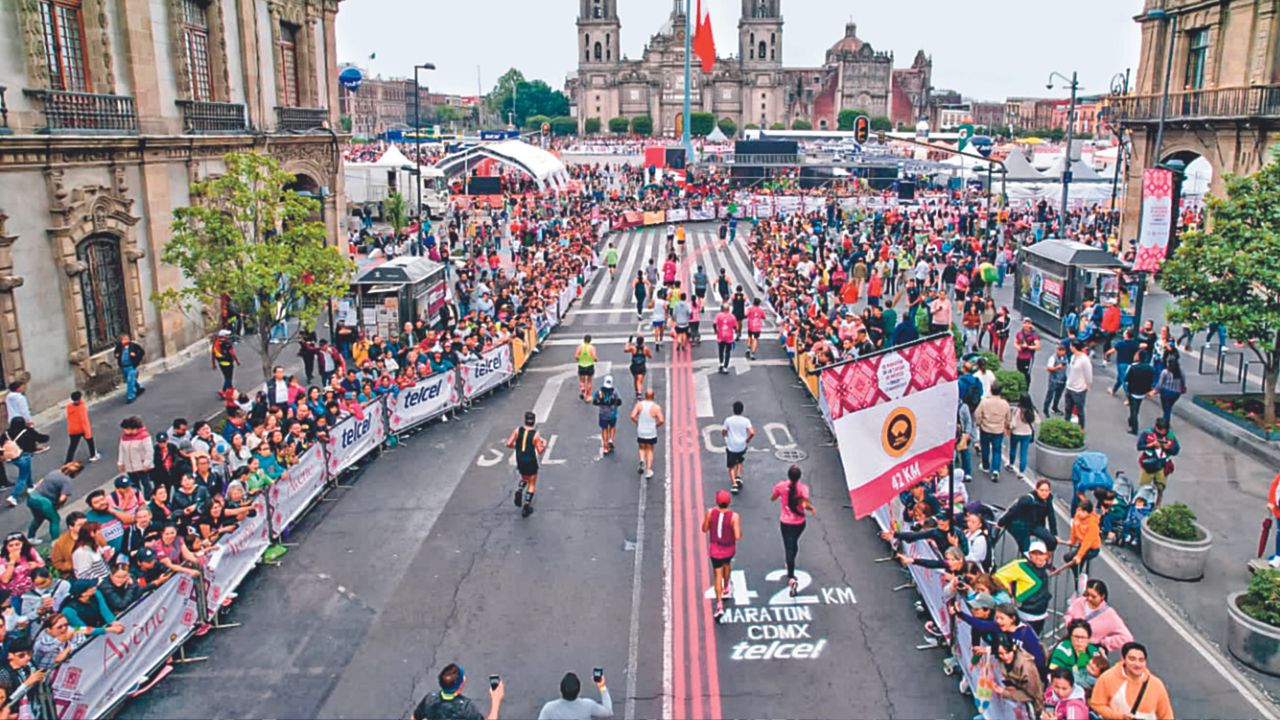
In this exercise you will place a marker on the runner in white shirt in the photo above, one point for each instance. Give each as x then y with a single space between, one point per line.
738 432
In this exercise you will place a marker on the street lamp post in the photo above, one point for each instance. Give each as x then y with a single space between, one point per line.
1066 163
417 149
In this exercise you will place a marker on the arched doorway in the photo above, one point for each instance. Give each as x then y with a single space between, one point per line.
1193 177
306 186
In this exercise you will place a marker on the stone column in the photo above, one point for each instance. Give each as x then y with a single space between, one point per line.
135 15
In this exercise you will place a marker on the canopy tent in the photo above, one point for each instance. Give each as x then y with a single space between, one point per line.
1080 172
717 135
545 168
1019 170
371 182
392 158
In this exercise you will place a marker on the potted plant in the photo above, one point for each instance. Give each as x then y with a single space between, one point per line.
1253 623
1057 447
1174 545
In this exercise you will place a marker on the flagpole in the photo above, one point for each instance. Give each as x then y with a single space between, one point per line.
688 72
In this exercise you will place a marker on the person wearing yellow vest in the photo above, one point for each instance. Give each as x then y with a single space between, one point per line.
586 357
223 358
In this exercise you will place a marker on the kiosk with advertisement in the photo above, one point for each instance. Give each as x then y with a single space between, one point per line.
1054 275
386 296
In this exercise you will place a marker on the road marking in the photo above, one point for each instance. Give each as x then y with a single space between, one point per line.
668 631
705 362
618 340
702 392
1242 684
633 650
603 286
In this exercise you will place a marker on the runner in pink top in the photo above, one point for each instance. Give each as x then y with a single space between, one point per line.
726 333
669 271
795 502
755 325
724 529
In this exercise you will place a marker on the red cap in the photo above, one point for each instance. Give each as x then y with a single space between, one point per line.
723 497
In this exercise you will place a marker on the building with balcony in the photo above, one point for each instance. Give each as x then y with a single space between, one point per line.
110 110
380 104
1223 79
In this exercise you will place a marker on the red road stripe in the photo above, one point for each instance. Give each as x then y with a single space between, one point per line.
710 649
677 555
693 509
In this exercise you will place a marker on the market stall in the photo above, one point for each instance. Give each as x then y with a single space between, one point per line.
385 296
1055 275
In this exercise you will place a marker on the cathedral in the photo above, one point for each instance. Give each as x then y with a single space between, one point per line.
753 88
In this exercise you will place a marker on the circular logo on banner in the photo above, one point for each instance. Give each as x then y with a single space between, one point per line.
899 432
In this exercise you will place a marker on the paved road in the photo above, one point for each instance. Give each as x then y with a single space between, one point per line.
425 561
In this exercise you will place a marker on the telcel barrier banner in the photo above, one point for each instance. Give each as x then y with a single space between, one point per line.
354 438
677 215
292 493
491 370
427 399
231 559
106 669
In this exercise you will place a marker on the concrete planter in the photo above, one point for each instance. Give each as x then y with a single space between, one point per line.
1175 559
1254 643
1055 463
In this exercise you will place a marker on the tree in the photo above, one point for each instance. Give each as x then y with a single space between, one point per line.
534 122
618 125
447 114
249 240
845 119
801 124
565 125
344 122
642 125
880 123
751 126
728 126
394 210
1230 275
532 97
701 124
778 126
591 126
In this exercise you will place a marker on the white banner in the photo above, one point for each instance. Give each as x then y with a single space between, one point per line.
427 399
677 215
566 299
491 370
236 554
1157 219
294 491
702 213
107 668
352 439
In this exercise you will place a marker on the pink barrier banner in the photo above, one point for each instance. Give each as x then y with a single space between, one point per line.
236 554
292 494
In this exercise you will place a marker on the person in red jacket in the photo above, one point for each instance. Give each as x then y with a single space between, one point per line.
1273 504
78 428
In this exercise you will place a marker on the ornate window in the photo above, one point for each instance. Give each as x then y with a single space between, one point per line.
195 40
289 64
762 52
106 313
64 45
599 51
1197 56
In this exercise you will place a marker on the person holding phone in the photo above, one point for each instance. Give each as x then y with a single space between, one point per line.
450 704
572 707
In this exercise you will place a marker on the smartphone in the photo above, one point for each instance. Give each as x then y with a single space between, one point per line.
597 674
494 681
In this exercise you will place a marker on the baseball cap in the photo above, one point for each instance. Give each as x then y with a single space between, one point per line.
1037 546
983 601
123 481
608 381
224 332
723 497
146 555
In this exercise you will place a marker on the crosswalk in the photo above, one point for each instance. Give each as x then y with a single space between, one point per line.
610 300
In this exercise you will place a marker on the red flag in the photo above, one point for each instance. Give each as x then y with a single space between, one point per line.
704 43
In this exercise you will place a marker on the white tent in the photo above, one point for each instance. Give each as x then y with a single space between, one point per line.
717 135
1080 172
393 158
546 169
372 182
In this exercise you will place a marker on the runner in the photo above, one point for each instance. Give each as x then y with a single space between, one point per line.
726 328
586 357
795 501
700 283
681 314
639 361
737 432
659 316
647 415
671 239
722 286
755 325
611 259
739 311
608 401
640 288
695 321
669 269
528 445
680 238
724 529
651 273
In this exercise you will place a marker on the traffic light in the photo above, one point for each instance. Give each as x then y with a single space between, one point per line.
861 129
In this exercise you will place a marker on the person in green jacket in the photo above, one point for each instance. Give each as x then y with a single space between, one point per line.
1084 659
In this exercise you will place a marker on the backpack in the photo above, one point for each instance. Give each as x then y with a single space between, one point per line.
10 450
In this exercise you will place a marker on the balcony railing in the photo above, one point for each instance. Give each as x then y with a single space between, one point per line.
79 112
300 119
201 117
4 112
1259 101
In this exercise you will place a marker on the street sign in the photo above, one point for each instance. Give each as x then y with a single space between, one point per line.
966 133
861 129
983 144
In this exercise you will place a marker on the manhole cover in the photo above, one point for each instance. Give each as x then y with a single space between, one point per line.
790 455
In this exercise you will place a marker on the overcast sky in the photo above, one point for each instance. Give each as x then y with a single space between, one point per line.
986 49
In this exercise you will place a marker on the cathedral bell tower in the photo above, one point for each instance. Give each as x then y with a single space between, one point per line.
598 30
760 34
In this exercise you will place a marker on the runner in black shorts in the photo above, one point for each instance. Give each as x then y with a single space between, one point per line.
528 445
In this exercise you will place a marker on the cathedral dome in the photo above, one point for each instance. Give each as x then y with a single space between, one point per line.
849 43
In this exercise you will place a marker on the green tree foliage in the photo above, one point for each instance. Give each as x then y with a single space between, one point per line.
1230 273
446 114
396 212
249 239
344 122
591 126
751 126
642 125
880 123
534 122
701 124
619 125
845 119
565 125
801 124
778 126
531 98
728 126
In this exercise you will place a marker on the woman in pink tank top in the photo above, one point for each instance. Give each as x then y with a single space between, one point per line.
724 529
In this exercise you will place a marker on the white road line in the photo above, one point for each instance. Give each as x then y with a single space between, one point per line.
639 251
702 392
748 279
622 339
628 271
668 614
705 362
633 650
603 286
1224 668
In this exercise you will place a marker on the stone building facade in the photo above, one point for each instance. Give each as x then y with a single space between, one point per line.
1224 91
380 105
114 108
751 88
